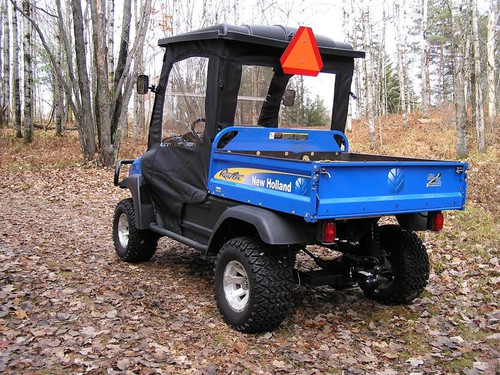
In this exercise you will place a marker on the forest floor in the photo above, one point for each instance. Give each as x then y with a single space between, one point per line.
68 305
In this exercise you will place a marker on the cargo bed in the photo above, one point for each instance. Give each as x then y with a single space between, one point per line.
306 173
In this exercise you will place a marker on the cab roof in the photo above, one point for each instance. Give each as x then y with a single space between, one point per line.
271 36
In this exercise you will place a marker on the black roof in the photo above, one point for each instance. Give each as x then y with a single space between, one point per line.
272 36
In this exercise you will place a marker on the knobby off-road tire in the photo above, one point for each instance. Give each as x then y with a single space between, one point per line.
131 244
253 284
409 267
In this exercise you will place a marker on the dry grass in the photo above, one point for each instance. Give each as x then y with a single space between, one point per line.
433 137
51 201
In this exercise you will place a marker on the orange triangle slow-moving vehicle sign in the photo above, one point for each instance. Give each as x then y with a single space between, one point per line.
302 54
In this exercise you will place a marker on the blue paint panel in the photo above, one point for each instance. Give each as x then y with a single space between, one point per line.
273 139
135 167
260 187
330 189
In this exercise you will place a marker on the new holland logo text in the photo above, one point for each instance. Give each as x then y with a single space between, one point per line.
266 179
269 183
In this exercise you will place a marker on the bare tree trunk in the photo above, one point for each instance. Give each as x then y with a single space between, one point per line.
425 59
139 107
65 36
401 67
5 100
1 34
110 17
83 115
120 66
28 76
16 88
479 104
383 65
103 104
441 69
459 78
346 28
126 81
58 94
370 84
491 45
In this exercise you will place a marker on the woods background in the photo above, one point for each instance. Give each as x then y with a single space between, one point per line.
427 89
74 64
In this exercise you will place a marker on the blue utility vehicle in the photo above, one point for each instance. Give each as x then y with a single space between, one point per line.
251 165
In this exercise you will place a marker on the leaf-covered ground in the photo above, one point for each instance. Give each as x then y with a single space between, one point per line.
68 305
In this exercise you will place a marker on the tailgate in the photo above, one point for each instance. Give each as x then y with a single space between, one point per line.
351 189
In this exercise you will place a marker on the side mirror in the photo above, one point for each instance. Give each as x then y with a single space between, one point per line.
289 98
142 84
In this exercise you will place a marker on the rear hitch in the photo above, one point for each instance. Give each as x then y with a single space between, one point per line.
370 279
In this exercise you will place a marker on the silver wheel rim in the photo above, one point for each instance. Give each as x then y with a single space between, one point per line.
236 286
123 230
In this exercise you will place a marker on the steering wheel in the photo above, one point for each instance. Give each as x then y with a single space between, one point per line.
192 128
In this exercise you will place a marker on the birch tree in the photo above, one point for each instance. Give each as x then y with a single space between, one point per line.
5 93
120 68
425 59
492 68
84 110
139 105
58 91
102 94
126 81
16 80
369 78
459 77
400 16
346 27
28 76
110 18
478 105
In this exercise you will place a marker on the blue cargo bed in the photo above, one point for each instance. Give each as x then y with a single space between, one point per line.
307 173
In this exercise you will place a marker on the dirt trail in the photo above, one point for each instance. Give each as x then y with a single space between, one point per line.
68 305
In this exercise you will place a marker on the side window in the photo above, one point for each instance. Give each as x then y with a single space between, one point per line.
184 108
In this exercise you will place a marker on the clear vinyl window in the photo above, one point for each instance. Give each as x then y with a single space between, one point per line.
313 102
307 102
255 81
184 106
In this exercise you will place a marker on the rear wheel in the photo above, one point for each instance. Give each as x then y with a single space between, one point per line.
131 244
253 284
405 270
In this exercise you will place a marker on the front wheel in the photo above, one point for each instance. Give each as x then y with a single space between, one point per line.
131 244
405 269
253 284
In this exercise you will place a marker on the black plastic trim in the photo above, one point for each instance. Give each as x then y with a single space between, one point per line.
143 206
273 228
178 237
118 167
417 221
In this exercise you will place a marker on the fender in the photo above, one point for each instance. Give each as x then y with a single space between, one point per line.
143 207
273 228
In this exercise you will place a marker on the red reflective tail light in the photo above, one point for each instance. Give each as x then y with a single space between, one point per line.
329 232
436 221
